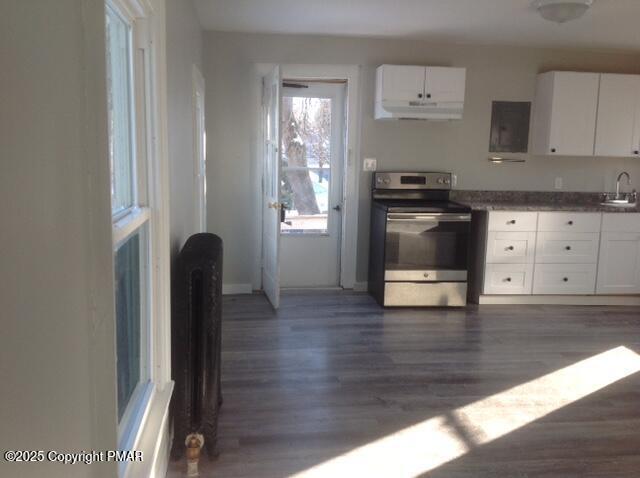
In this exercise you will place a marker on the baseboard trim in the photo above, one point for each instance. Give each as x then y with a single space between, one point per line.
560 299
229 289
361 286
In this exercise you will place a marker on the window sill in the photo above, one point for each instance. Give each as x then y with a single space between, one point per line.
151 436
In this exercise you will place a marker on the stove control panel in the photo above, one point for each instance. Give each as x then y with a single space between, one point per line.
395 180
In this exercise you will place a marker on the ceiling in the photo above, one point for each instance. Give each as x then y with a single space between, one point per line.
608 24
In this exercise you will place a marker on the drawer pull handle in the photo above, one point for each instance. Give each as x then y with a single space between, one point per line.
510 248
426 274
568 248
513 221
508 279
566 279
570 223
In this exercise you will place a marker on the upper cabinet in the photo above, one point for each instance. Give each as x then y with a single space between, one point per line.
587 114
618 116
402 83
419 92
565 113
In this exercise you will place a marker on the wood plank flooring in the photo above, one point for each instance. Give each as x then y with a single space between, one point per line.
331 372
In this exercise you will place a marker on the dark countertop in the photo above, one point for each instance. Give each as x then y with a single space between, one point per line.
536 201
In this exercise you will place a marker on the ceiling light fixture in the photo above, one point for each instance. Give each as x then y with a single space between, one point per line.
561 11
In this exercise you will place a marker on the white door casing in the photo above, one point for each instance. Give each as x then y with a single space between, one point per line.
313 259
271 188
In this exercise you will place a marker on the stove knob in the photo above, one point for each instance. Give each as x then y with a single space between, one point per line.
379 180
447 181
387 181
440 180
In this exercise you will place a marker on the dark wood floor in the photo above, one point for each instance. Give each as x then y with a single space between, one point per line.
331 372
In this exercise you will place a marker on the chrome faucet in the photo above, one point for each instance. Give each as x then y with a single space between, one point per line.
623 173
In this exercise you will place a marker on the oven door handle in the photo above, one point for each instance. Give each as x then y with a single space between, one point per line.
432 217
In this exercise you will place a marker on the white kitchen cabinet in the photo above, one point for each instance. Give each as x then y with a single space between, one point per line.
565 111
419 92
618 119
558 279
619 262
561 253
401 82
514 279
444 84
510 247
508 221
567 247
569 221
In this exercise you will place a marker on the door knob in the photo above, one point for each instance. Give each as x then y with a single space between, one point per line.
274 205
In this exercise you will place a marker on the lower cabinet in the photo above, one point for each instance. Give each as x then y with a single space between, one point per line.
559 279
514 279
561 253
619 263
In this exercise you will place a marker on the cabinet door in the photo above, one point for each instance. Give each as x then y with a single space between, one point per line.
617 106
444 84
619 264
565 113
573 113
402 83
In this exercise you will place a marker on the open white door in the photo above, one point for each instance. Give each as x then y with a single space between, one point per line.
271 189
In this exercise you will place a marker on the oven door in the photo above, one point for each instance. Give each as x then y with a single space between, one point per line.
427 247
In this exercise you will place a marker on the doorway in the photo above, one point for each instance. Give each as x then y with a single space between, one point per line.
301 240
311 186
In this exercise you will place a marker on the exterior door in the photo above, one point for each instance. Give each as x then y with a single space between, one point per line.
311 186
271 190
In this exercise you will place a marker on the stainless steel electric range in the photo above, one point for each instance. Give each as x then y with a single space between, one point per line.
419 245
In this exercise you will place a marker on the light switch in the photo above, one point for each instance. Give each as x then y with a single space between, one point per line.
558 183
370 164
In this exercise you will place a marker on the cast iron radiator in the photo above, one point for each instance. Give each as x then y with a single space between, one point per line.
196 336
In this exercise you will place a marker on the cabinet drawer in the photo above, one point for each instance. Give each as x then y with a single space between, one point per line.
564 279
621 222
564 247
508 278
511 247
569 221
512 221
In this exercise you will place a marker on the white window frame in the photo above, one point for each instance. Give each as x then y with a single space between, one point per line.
199 150
144 425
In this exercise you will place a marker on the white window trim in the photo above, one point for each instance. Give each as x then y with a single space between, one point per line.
199 153
351 171
148 415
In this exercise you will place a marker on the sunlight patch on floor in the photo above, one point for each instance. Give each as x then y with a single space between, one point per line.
434 442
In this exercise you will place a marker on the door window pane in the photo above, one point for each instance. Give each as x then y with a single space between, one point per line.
119 104
130 267
306 164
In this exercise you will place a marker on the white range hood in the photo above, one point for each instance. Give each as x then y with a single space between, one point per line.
419 92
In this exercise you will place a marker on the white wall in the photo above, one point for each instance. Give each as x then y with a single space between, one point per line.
184 49
493 73
57 338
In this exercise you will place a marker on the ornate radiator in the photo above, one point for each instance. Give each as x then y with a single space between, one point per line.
196 336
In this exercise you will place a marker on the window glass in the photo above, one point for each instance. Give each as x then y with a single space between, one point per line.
306 164
130 267
119 104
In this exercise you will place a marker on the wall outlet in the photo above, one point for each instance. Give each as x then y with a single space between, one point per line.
370 164
558 183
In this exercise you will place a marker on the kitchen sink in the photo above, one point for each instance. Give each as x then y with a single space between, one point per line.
619 200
